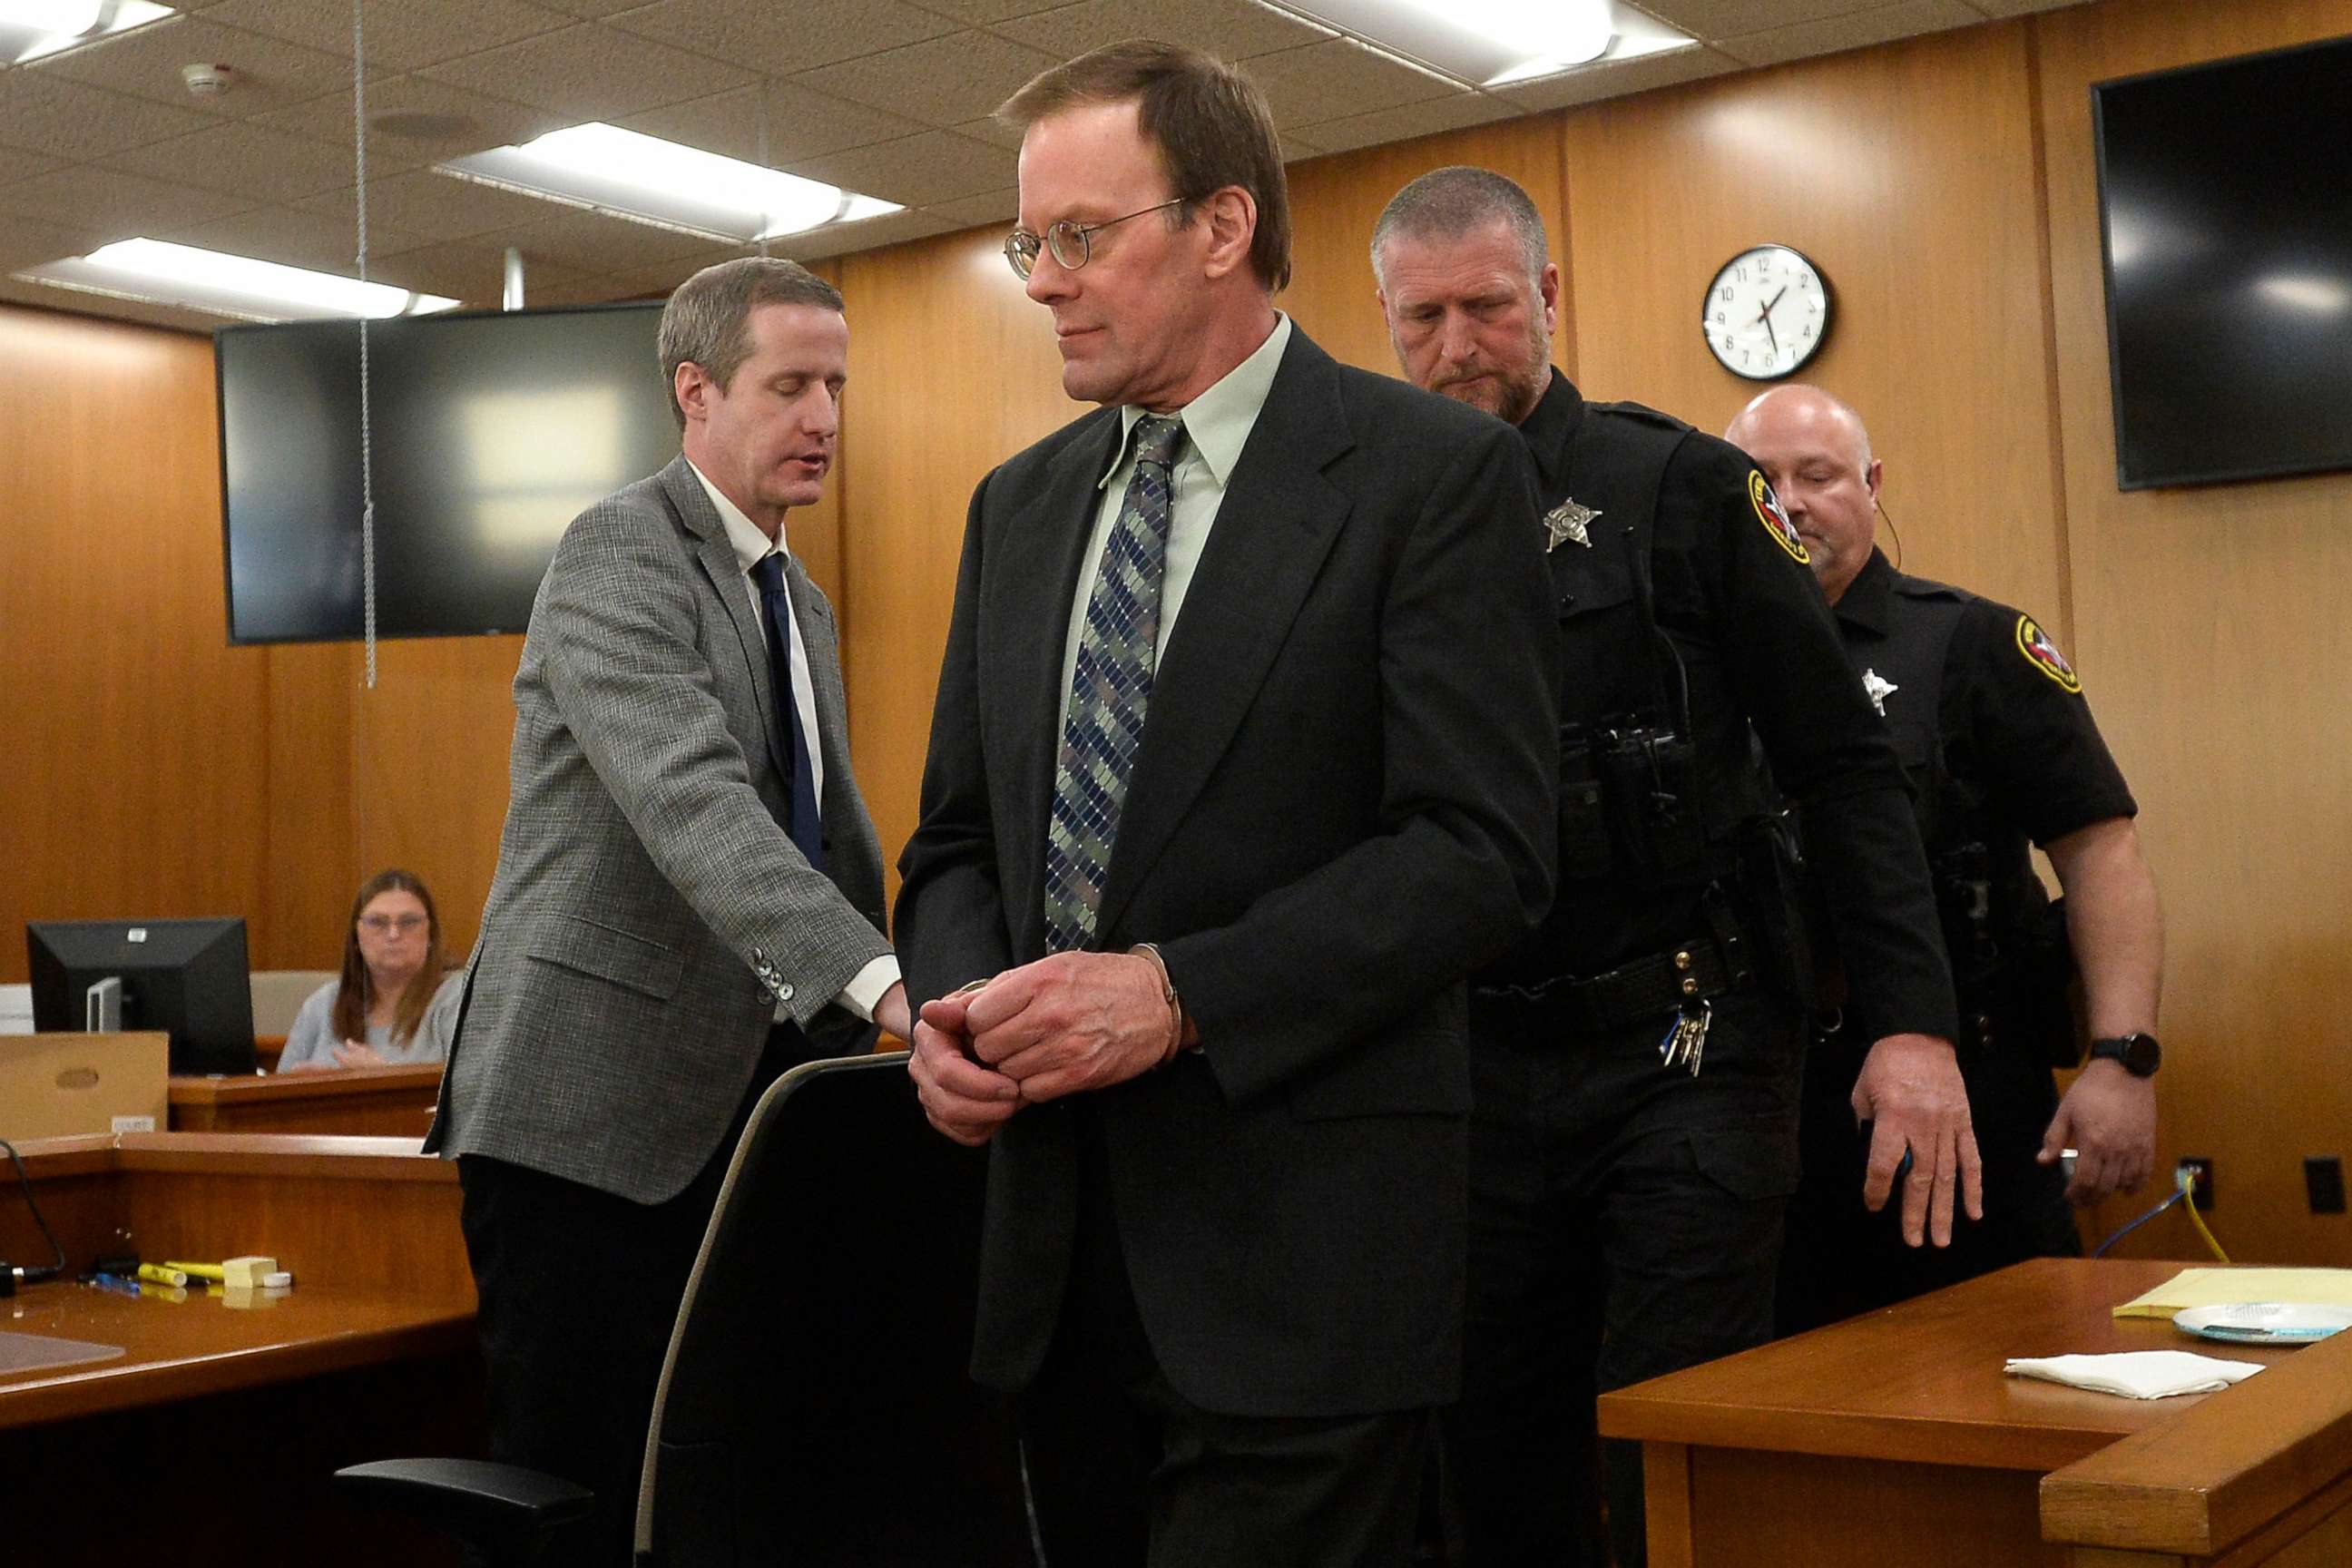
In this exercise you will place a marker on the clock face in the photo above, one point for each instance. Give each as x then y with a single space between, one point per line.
1766 313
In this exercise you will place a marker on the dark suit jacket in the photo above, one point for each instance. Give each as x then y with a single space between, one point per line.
649 908
1342 804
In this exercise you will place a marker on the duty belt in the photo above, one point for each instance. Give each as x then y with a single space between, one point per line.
1636 993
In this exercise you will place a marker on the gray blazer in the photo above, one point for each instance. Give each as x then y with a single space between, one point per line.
650 911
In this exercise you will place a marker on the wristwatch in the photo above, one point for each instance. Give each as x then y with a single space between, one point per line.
2139 1054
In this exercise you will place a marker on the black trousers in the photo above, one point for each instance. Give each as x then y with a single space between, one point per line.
1841 1259
1624 1223
1124 1470
578 1290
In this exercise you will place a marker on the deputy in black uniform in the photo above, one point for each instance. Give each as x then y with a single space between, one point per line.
1992 726
1635 1066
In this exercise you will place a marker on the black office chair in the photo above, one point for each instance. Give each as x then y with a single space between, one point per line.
815 1408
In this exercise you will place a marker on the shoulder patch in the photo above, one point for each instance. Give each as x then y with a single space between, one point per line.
1775 520
2042 653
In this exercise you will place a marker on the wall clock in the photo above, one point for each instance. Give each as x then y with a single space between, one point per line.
1765 312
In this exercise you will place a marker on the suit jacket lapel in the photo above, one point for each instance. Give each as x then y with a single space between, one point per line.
1277 522
716 555
1032 583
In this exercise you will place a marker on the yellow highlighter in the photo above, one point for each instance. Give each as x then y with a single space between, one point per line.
164 1273
211 1271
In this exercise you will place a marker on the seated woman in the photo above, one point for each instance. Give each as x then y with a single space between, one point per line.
397 1000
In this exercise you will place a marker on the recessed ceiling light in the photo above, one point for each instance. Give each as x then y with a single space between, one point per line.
1492 43
647 180
225 285
30 30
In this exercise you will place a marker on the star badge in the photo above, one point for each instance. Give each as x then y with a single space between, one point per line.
1566 521
1878 689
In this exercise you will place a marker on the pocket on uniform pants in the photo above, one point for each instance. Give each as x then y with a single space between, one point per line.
1754 1160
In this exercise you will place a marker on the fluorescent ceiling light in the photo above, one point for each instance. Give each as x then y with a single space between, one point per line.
1490 43
647 180
31 28
228 285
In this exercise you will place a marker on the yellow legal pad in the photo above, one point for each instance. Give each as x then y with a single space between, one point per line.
2223 1287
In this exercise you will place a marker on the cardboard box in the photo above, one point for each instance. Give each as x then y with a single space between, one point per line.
55 1085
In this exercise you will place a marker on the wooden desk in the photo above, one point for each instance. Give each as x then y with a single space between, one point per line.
218 1427
394 1101
1896 1438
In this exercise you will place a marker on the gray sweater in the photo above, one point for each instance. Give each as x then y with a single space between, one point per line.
312 1039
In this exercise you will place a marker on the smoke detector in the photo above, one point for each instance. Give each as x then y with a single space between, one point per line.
207 79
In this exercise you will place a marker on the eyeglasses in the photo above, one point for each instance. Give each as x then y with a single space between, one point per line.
385 925
1071 243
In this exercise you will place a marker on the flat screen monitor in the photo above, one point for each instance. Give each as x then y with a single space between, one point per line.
2227 230
489 432
186 976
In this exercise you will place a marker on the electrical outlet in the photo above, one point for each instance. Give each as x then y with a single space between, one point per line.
2323 1178
2200 1170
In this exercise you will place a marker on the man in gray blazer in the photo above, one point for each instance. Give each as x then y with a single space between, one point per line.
689 898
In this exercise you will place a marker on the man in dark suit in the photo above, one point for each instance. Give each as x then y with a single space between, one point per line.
1242 759
689 896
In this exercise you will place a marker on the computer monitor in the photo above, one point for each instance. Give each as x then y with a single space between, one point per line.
187 976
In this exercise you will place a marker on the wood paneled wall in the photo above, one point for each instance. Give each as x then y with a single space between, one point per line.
1945 186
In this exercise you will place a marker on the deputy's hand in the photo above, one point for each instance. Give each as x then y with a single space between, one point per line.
961 1098
2108 1118
891 1012
1073 1022
359 1054
1910 1088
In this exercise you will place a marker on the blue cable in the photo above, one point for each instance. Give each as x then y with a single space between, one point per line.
2178 1193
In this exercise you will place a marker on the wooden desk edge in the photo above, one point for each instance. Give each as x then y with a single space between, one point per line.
2223 1469
236 1154
94 1389
343 1084
1630 1415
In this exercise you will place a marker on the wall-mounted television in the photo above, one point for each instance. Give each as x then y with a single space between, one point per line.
2225 205
490 431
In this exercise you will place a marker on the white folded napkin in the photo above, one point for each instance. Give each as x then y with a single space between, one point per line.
2136 1374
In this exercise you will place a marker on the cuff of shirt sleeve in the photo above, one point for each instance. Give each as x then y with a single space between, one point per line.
869 985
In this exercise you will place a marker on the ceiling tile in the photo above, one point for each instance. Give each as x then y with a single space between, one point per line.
1234 30
28 242
986 129
470 271
488 121
1338 76
1725 18
430 207
271 72
664 275
592 7
986 12
1296 149
1831 35
295 237
945 81
77 121
47 298
2021 8
399 38
588 241
873 234
15 163
244 161
813 33
1616 79
971 211
801 123
936 166
1408 121
589 72
116 205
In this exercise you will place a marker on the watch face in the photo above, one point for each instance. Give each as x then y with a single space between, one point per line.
1765 312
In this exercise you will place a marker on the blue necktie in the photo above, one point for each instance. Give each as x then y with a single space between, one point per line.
804 821
1111 691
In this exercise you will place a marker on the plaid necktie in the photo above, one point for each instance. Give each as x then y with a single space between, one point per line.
1110 692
